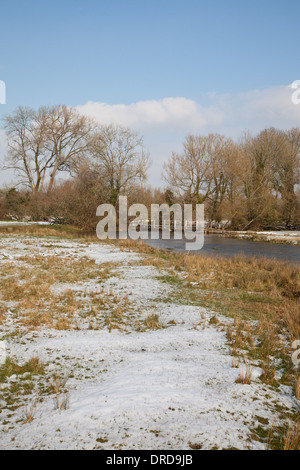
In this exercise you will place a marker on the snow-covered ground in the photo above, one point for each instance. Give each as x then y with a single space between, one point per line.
282 234
169 388
17 222
285 236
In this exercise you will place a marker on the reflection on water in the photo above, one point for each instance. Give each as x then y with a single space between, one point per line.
221 246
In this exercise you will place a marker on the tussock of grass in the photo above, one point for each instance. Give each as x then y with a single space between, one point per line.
61 397
245 375
152 322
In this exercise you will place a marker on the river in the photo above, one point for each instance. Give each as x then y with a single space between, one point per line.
223 246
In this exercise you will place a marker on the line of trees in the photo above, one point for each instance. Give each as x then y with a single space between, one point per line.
253 183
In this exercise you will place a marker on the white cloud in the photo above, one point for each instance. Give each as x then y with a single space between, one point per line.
258 109
170 113
165 123
251 110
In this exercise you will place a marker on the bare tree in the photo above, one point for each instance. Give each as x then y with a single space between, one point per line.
222 173
120 157
189 174
201 172
68 140
43 142
26 130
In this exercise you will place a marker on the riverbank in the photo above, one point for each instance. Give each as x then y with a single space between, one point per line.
119 345
281 237
288 237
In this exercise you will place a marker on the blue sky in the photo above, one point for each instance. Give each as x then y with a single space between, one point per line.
214 54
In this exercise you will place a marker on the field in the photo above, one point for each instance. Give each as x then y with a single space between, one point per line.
121 346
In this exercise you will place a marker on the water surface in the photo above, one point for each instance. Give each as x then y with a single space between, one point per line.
221 246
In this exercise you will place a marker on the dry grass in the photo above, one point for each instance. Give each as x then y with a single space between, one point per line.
42 230
31 287
56 269
10 367
285 438
245 375
297 387
3 311
269 373
61 397
292 438
152 322
261 275
291 318
235 363
30 411
36 303
31 383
